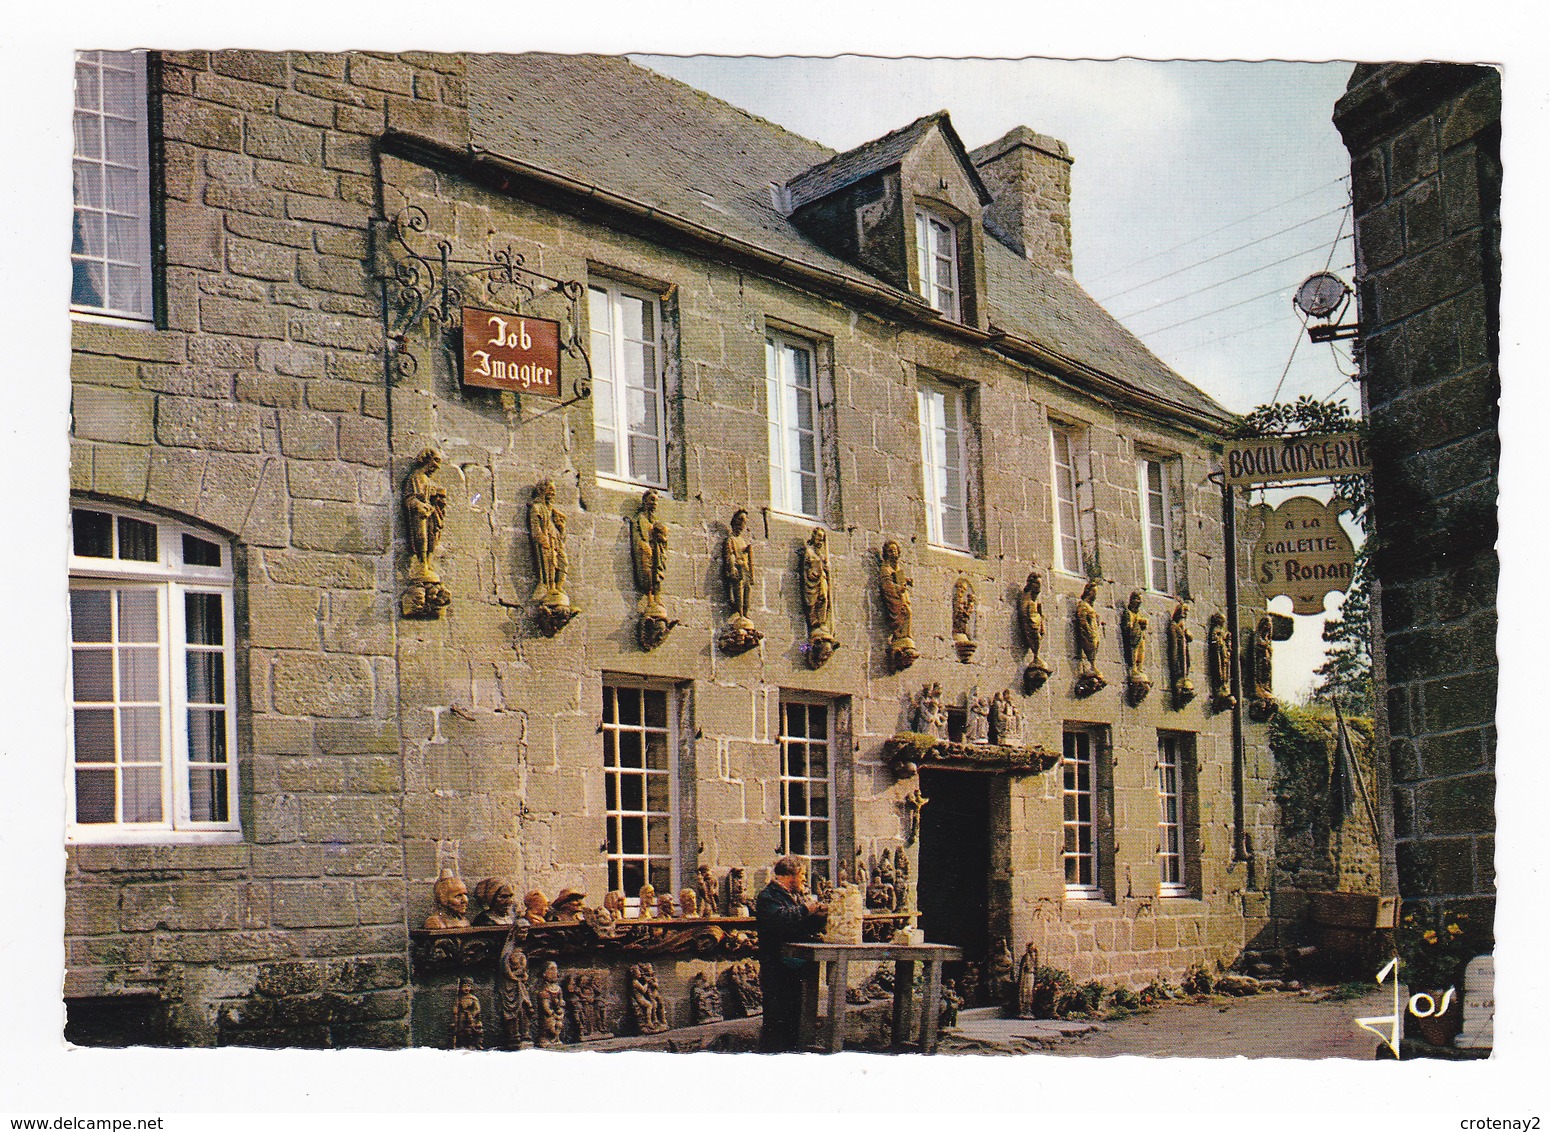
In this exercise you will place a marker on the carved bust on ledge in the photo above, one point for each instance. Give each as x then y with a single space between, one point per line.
451 898
497 898
535 908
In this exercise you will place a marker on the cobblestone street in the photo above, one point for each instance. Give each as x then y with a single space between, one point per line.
1270 1025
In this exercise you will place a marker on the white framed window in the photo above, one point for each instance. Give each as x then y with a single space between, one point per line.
639 738
1171 879
791 393
153 689
944 454
807 783
1156 524
629 403
1079 795
1073 500
936 262
110 253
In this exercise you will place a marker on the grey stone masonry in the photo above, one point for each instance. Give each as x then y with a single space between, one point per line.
1426 184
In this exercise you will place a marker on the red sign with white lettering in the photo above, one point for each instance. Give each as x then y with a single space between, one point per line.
512 352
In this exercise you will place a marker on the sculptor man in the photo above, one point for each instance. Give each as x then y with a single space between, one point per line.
787 913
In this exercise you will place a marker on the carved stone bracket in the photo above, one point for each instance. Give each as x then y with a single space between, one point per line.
906 754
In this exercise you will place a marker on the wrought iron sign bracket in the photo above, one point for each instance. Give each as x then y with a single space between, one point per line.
418 286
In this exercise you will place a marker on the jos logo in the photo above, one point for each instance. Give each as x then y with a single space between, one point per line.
1420 1005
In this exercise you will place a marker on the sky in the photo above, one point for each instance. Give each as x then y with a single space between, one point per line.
1203 194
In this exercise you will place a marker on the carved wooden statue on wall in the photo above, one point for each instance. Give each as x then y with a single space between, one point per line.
743 977
1179 638
895 584
1030 618
646 1000
930 716
648 550
704 1000
425 513
511 994
964 618
818 599
546 528
586 997
1134 626
467 1028
1089 636
451 898
739 634
914 802
1006 721
977 727
551 1007
1219 658
497 899
1261 693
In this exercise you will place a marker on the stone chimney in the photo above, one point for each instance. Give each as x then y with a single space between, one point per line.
1029 177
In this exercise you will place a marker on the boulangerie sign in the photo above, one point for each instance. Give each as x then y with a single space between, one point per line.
511 352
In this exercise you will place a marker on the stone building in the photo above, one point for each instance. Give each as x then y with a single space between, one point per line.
273 764
1425 142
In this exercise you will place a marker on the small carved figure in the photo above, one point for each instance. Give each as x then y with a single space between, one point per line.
583 990
497 898
1006 720
546 527
688 903
704 1000
425 513
646 999
737 892
707 892
1134 625
1179 638
614 905
895 585
451 899
1089 635
511 994
881 894
970 982
977 729
1030 618
1260 683
998 974
964 619
739 634
914 801
551 1007
648 546
535 908
901 868
1219 658
817 599
744 980
665 907
1027 978
566 907
930 713
467 1028
646 898
952 1002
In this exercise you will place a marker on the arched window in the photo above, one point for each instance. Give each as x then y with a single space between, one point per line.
153 741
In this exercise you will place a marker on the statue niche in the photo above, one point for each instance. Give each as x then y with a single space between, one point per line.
1134 625
895 586
817 599
1030 618
546 528
425 513
964 619
648 551
739 634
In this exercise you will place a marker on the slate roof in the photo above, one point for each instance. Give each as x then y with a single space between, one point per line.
604 121
873 157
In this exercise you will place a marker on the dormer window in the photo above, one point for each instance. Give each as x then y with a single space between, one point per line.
936 260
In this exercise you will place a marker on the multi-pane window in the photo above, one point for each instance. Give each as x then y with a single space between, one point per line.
806 784
1079 793
1072 500
936 262
628 402
638 787
1156 524
945 460
1170 827
153 746
791 392
110 250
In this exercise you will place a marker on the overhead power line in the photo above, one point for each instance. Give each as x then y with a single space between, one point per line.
1223 228
1224 282
1219 255
1230 306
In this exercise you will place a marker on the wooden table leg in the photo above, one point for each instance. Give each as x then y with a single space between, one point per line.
839 972
807 1023
903 1001
928 1009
